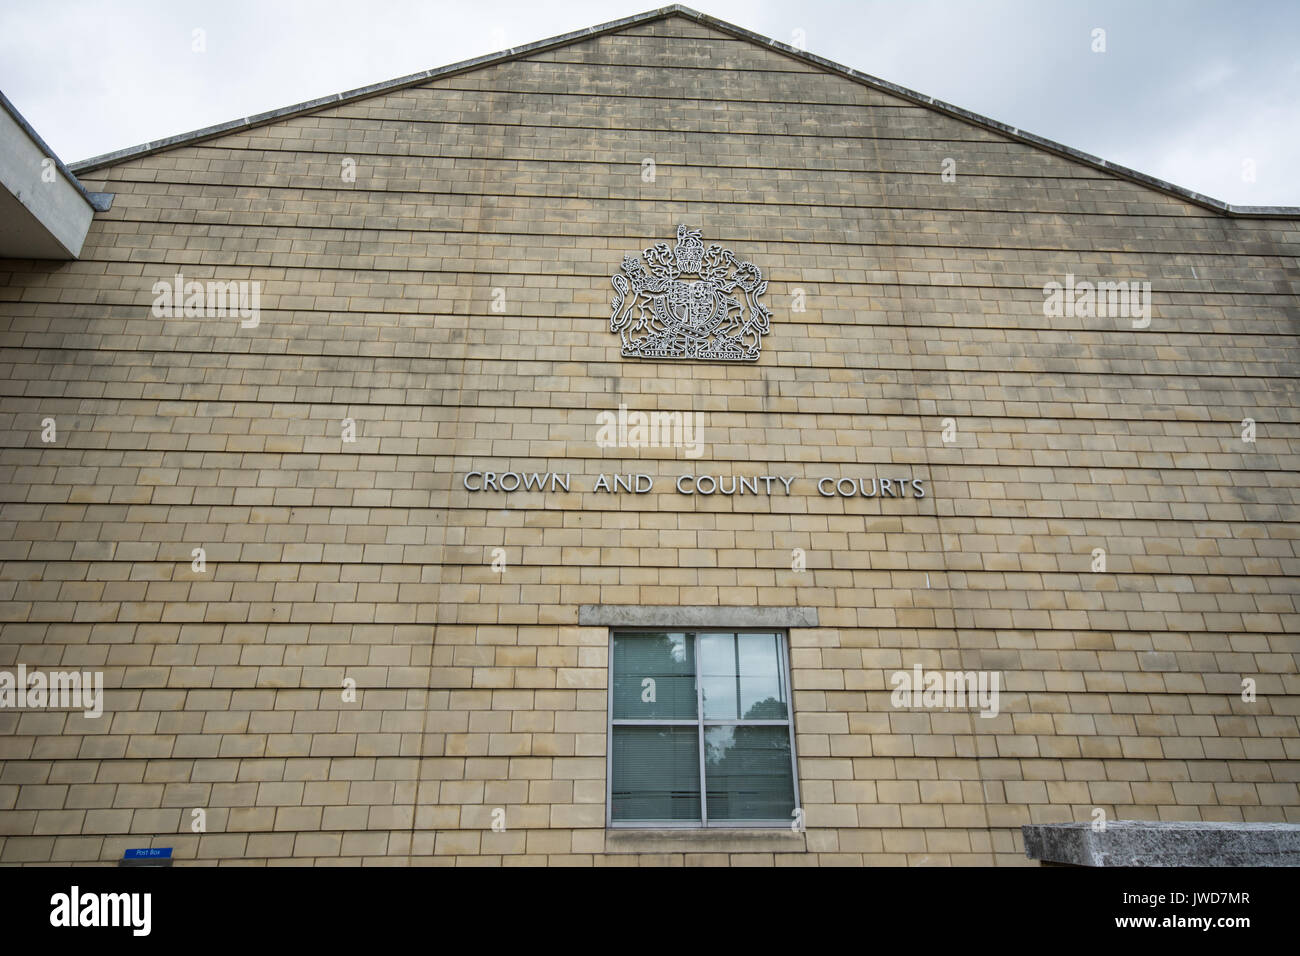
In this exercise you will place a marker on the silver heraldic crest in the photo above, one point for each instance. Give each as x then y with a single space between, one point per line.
689 302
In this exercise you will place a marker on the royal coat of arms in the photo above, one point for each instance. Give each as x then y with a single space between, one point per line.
689 302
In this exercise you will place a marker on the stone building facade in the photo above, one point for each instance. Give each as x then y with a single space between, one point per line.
1109 524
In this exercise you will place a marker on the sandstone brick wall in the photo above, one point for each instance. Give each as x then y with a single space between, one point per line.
477 690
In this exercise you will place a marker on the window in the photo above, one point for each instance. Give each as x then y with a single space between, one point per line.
700 730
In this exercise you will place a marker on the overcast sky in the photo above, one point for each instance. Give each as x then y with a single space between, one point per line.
1195 92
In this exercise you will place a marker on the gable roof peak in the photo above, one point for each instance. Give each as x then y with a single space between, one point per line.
677 9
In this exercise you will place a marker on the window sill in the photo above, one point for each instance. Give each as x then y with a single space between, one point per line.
704 840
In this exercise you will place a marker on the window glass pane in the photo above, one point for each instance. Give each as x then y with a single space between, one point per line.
656 774
718 675
741 677
762 683
748 773
654 677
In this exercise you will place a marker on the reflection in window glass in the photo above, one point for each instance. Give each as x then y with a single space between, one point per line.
741 677
762 685
748 772
654 676
718 675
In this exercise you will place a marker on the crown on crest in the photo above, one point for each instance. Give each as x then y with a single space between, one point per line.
690 249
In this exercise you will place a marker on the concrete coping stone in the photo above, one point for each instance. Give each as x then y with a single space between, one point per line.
703 615
1164 843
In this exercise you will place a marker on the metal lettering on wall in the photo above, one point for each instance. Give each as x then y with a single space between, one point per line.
897 486
662 315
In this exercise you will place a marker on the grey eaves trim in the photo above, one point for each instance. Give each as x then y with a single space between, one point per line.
1207 202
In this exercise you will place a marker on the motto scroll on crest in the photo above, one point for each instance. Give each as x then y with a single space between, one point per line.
662 314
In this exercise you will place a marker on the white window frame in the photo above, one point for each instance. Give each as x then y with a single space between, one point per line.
700 722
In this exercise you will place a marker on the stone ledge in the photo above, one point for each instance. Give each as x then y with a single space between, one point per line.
1157 843
701 615
716 840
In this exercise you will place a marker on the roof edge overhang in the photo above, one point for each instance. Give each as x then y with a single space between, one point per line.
613 26
45 211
